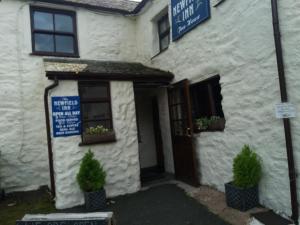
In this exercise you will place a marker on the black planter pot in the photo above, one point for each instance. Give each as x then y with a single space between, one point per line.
242 199
95 200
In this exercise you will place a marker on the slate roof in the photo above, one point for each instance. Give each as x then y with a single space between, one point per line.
118 6
71 68
113 4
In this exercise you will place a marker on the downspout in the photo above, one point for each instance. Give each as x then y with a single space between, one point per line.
286 121
50 153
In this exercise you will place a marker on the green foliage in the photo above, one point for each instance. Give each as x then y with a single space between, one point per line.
97 130
203 123
91 176
246 168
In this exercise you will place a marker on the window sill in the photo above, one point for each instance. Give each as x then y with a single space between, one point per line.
97 143
54 55
162 51
209 130
98 139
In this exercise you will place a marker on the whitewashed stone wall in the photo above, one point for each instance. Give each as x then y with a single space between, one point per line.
23 146
147 147
120 159
237 43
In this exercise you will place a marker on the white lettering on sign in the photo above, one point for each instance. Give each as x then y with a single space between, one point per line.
285 110
185 9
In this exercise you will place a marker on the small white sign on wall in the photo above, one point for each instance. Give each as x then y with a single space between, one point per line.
285 110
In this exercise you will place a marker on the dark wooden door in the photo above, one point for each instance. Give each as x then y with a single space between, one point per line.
182 133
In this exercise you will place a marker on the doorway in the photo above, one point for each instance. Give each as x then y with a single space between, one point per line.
151 144
165 133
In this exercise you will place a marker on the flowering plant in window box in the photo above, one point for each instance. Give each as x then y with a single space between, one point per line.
98 134
214 123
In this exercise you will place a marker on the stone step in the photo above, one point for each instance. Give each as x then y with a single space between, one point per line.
268 218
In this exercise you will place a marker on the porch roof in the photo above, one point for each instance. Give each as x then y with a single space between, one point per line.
72 69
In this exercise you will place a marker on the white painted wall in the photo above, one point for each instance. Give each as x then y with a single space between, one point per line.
119 159
163 106
147 147
237 43
23 146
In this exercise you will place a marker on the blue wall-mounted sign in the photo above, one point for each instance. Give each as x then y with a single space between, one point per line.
187 14
66 116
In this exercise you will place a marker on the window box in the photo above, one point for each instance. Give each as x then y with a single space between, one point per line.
98 138
217 125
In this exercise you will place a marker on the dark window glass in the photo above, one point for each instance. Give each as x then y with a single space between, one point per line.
64 44
94 92
95 105
96 111
207 99
164 32
53 32
44 42
43 21
63 23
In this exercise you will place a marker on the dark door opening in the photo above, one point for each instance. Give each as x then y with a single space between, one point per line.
149 134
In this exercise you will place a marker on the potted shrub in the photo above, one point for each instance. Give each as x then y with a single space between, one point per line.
98 134
91 179
242 193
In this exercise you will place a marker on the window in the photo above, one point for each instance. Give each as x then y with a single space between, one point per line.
164 32
96 111
207 109
53 32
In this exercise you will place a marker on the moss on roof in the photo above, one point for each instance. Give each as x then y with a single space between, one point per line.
126 5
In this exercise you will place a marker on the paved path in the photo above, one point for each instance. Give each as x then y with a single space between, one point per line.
162 205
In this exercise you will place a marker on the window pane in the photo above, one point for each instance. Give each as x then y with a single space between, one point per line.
105 124
64 44
96 111
164 42
93 92
178 127
44 43
164 25
43 21
63 23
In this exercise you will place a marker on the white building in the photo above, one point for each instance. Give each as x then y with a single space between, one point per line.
114 56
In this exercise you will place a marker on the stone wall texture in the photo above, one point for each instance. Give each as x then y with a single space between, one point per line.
23 143
120 159
236 43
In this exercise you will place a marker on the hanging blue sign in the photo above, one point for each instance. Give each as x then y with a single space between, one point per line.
66 116
187 14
